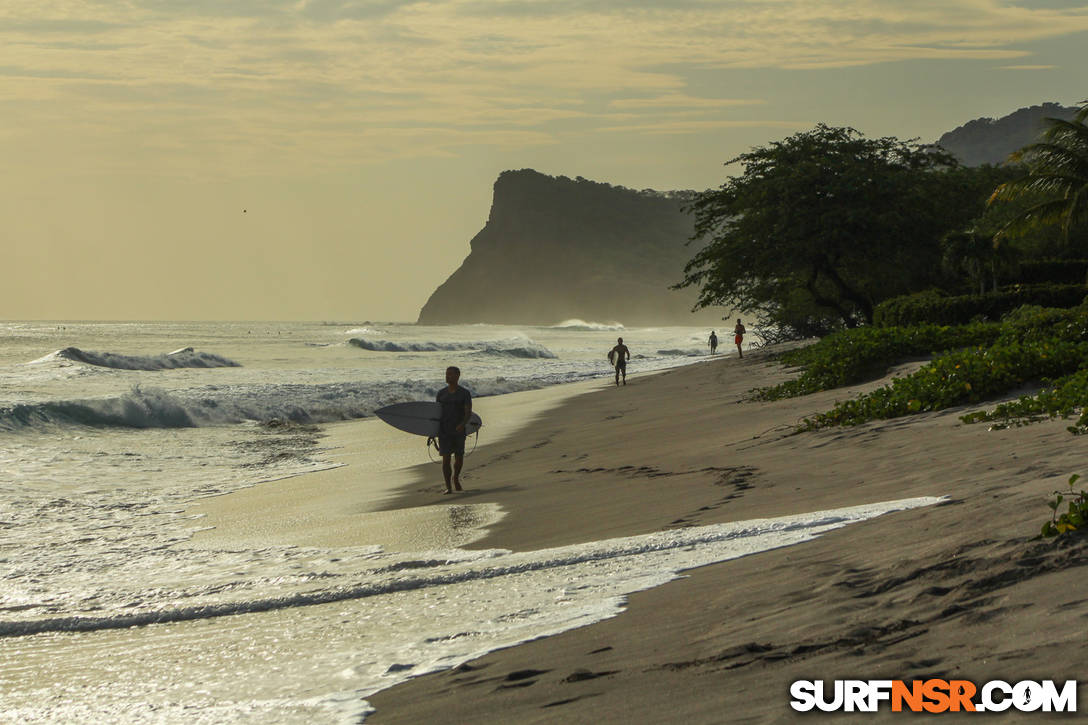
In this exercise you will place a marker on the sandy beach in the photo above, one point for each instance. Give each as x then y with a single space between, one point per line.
956 591
960 590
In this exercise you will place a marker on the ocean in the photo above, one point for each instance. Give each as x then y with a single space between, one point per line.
112 434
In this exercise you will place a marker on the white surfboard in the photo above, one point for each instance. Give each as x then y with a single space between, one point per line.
420 418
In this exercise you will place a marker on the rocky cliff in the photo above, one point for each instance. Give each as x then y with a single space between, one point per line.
990 141
557 248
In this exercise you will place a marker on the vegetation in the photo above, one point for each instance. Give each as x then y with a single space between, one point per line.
932 306
873 243
990 141
1032 345
853 356
1057 271
1057 179
1072 519
825 224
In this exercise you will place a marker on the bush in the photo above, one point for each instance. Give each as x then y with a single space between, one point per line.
933 308
1056 271
1032 344
956 378
1061 398
862 353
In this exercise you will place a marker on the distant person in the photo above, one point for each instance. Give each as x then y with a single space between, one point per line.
456 405
713 342
618 356
738 336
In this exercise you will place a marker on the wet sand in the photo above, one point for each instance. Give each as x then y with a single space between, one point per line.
960 590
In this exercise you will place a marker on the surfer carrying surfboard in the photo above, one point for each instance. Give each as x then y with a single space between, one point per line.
456 405
618 356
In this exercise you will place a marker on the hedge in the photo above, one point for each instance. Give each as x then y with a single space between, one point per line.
1056 271
932 307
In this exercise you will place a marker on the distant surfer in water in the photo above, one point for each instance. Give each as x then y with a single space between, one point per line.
456 405
738 336
618 356
713 342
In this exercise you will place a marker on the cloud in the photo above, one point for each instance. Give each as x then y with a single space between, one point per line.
683 101
354 80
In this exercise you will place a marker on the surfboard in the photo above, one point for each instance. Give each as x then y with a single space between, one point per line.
420 418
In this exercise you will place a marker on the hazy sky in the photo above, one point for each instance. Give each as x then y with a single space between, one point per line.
362 136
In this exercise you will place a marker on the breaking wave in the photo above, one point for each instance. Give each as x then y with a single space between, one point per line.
144 407
583 326
183 358
681 353
519 348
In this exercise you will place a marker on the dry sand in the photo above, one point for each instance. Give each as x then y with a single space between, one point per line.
956 591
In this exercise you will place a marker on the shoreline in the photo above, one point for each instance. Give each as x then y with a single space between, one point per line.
959 590
353 501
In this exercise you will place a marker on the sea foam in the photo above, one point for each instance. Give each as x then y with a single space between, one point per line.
183 358
584 326
516 347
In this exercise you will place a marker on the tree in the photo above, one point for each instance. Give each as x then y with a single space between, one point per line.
824 224
1057 177
975 254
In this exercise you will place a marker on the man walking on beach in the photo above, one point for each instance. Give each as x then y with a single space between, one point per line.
456 405
618 356
713 342
738 336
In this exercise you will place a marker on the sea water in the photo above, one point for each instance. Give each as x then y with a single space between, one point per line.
110 432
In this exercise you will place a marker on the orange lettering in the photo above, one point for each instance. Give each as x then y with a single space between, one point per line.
912 696
961 693
937 692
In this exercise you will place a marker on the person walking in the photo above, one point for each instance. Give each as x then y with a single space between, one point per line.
738 336
456 405
618 356
713 342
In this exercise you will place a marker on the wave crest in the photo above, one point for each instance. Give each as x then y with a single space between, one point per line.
519 348
184 358
583 326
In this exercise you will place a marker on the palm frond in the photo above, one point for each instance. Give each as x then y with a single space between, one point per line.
1052 211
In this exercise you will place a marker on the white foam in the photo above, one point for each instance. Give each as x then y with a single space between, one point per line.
183 358
515 347
582 325
366 622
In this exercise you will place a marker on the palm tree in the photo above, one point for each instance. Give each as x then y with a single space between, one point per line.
976 254
1057 178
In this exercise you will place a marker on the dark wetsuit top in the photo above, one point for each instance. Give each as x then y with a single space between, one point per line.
453 410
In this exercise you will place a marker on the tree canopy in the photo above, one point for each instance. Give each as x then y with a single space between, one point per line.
1056 184
824 224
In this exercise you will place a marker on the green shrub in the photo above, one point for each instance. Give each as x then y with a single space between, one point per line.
1061 398
932 307
1073 519
959 377
1055 271
862 353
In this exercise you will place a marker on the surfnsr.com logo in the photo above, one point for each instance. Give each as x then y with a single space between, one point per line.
933 696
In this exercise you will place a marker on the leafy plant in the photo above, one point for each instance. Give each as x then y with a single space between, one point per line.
1072 519
933 308
959 377
852 356
1061 398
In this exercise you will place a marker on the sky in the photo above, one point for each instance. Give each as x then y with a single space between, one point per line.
332 159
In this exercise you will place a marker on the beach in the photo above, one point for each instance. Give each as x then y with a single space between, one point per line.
958 590
661 551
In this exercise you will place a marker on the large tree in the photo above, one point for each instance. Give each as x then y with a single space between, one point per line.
824 224
1056 184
